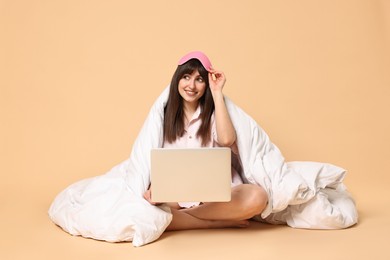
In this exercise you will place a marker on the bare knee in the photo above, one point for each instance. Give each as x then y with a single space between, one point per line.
254 200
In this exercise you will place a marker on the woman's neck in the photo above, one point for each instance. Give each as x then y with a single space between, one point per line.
189 109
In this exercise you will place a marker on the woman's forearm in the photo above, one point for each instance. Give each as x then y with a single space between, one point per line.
226 135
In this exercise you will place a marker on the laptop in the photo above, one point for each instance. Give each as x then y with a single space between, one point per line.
195 174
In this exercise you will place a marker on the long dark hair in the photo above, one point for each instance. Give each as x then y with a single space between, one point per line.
174 112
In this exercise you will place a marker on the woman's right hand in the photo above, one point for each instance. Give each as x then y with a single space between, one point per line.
148 197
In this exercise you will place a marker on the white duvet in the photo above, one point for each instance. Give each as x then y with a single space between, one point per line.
111 207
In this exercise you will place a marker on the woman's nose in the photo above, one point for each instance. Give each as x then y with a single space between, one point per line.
191 84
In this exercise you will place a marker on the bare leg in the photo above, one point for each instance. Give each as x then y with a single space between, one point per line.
181 220
247 201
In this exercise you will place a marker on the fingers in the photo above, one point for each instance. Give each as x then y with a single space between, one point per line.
215 74
211 77
148 196
217 80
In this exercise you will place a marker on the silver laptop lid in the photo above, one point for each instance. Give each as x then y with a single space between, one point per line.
194 174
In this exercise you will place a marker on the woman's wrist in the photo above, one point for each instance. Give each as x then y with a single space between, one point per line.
217 93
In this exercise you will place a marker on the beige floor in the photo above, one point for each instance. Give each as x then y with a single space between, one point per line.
28 234
77 79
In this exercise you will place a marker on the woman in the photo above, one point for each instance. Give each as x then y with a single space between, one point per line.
196 116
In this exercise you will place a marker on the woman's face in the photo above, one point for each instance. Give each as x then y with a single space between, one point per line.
192 87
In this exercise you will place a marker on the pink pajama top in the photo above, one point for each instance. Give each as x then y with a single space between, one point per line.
190 140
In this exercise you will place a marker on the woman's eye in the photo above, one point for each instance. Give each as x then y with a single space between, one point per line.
200 79
186 77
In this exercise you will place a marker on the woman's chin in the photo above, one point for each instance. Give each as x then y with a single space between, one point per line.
191 100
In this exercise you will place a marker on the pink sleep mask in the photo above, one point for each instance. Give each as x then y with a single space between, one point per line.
199 56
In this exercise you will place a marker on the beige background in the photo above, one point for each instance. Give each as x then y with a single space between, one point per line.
77 80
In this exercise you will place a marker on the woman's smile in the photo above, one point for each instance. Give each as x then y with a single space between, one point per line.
190 92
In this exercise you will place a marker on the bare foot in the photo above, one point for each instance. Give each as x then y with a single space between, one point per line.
229 223
243 223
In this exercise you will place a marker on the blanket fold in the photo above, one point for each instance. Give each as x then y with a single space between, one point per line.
111 207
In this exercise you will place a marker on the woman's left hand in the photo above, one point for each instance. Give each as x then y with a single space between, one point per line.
217 80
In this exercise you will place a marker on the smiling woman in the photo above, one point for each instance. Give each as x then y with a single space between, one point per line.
196 116
193 112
